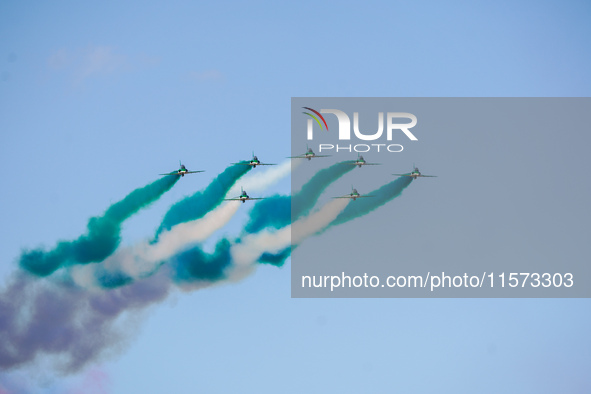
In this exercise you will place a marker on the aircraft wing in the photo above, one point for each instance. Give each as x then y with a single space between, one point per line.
402 174
243 199
253 164
351 197
171 173
428 176
306 157
193 172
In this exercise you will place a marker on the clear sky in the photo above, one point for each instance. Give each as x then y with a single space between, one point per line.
96 99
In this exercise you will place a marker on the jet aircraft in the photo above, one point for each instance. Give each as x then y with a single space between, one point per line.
354 195
361 162
181 171
416 174
308 155
243 197
254 162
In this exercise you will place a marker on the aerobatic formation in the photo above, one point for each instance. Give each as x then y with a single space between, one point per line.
77 291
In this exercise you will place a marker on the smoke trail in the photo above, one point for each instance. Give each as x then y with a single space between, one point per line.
278 211
181 235
39 318
260 180
200 203
274 211
276 259
195 265
381 196
103 232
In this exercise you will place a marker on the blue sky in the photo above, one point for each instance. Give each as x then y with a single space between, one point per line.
95 100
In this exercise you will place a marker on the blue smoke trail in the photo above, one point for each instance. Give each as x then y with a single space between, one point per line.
200 203
103 235
278 211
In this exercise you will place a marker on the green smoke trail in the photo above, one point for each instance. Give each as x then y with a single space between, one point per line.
103 235
200 203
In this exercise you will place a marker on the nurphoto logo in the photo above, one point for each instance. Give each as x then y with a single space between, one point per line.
392 126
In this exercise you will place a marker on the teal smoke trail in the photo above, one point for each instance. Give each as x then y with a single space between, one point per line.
200 203
278 211
305 200
103 235
276 259
196 265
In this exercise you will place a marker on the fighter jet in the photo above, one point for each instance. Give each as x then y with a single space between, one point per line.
308 155
361 162
243 197
416 174
254 162
181 171
354 195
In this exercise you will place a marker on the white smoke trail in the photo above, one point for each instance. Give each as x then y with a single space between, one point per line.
259 181
143 258
185 234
